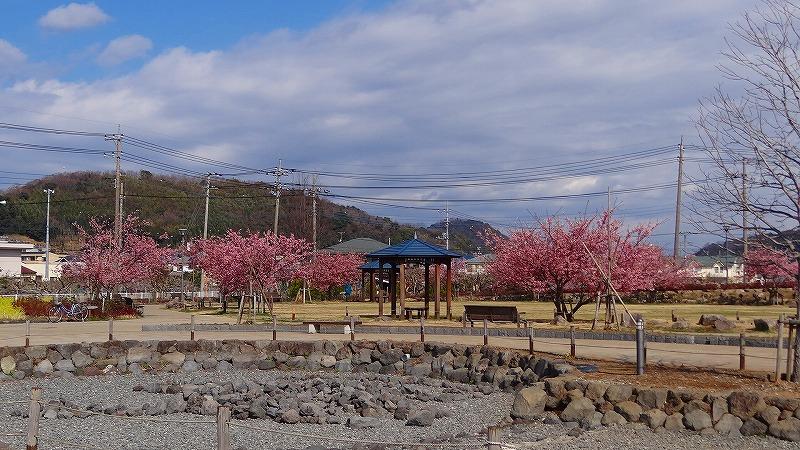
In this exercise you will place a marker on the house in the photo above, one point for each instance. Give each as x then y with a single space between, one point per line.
477 265
34 263
361 246
714 267
11 257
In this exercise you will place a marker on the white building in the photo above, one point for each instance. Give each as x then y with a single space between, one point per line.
34 259
11 257
714 267
477 265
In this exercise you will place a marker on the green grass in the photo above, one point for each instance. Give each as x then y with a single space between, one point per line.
8 311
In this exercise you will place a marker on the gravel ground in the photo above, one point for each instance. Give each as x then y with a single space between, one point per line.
467 418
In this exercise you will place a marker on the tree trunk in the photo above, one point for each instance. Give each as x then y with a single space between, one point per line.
241 310
795 375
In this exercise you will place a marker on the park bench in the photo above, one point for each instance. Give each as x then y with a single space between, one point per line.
319 323
492 313
130 304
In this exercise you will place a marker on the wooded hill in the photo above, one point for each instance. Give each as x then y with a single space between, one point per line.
169 203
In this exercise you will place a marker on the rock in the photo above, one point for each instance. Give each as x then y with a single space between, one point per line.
578 409
327 361
244 360
724 325
769 415
611 418
744 405
652 398
421 418
290 416
728 425
44 367
401 412
529 403
787 429
709 319
224 366
362 422
561 321
680 324
209 406
595 390
630 411
753 427
765 324
36 352
8 364
653 418
344 365
190 367
697 419
138 355
64 365
296 362
674 422
618 393
266 364
174 358
81 360
719 407
391 356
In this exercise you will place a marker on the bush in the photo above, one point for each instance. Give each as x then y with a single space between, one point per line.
8 311
33 307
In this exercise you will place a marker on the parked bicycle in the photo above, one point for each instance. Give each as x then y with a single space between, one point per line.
77 311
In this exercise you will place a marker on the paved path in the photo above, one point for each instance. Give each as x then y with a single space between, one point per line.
710 356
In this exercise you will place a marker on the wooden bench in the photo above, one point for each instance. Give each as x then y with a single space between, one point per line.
319 323
410 310
492 313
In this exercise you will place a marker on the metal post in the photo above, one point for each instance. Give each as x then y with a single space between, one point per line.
676 251
485 331
530 338
572 341
492 435
191 327
352 328
47 238
640 347
111 329
274 328
779 350
34 411
27 333
741 351
223 428
421 328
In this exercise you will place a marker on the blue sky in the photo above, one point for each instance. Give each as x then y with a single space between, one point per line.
375 87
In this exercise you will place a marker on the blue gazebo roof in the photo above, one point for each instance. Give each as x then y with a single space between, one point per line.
413 248
373 265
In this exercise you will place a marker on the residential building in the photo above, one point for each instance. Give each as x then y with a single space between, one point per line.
11 257
477 265
360 246
714 267
34 263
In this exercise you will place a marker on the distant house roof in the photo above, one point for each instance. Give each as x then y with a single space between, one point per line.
711 261
357 245
481 259
414 248
5 243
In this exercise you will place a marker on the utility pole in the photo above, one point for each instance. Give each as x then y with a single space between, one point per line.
446 235
203 280
279 172
181 260
117 138
47 238
676 252
610 313
727 273
314 192
744 209
121 199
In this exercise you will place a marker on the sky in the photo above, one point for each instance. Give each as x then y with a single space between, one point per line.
367 91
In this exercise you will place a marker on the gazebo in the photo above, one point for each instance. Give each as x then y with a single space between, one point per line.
392 260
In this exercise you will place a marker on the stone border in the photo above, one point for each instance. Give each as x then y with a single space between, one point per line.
665 338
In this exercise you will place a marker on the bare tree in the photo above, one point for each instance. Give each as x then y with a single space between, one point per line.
750 131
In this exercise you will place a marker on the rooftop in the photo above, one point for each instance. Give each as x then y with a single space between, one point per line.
357 245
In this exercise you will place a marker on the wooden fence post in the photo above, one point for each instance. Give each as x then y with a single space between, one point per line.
779 350
34 411
223 428
572 341
741 352
191 327
110 328
352 328
491 437
27 333
422 328
530 337
485 331
789 353
274 328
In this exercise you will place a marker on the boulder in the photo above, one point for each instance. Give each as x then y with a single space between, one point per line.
611 418
44 367
697 420
652 398
787 429
728 425
344 365
595 390
765 324
578 410
724 324
618 393
745 404
769 415
290 416
36 352
327 361
421 418
209 406
680 324
653 418
64 365
674 422
753 427
529 403
719 407
190 367
362 422
709 319
8 364
138 355
81 359
630 411
174 358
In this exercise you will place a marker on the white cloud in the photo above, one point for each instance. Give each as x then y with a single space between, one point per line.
12 59
123 49
73 16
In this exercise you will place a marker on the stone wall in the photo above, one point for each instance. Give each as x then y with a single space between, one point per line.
477 364
593 403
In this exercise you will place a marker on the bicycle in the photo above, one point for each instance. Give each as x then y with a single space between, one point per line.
77 311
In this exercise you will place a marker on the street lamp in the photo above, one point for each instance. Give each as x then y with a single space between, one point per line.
47 237
182 231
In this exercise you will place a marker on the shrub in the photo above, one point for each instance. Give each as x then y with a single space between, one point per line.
33 307
8 311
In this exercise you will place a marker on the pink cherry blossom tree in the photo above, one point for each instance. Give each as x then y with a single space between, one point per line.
328 270
772 265
237 260
102 264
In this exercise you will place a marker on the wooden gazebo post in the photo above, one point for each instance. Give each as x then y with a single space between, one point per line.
393 288
449 293
427 285
402 288
380 287
437 294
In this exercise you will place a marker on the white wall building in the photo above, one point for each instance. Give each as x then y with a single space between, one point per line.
11 257
714 267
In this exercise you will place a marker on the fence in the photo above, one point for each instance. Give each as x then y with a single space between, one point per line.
224 430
